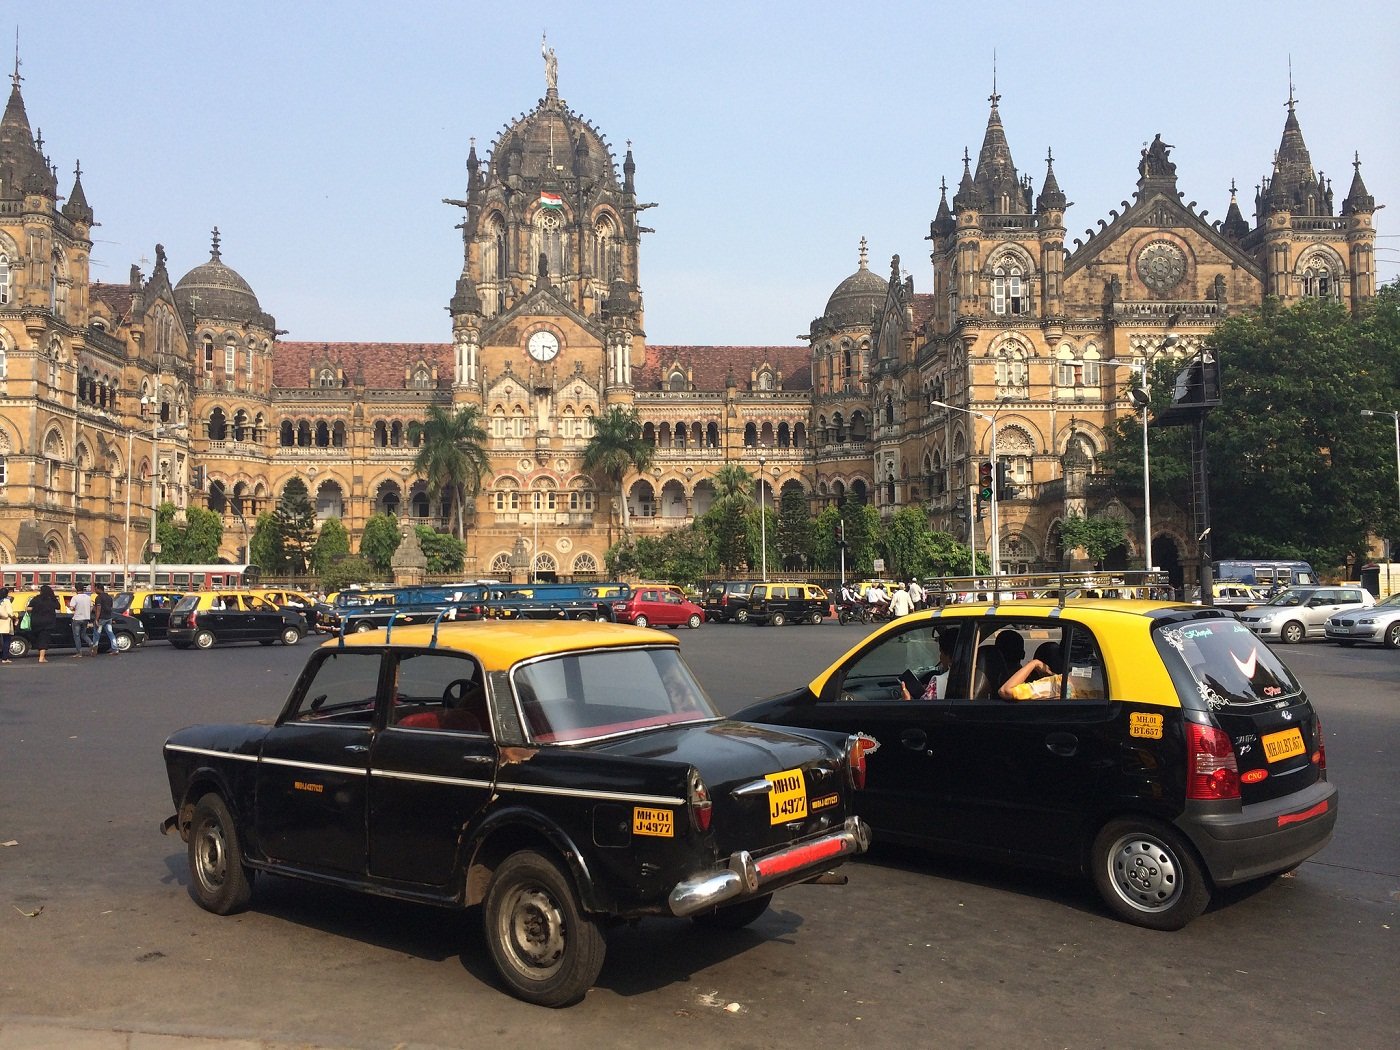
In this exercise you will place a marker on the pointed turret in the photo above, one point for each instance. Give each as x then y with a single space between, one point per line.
1358 201
23 168
76 207
996 184
1294 186
942 224
1234 225
965 197
1051 198
629 169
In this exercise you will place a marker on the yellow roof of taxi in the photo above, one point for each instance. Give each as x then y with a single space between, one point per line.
500 644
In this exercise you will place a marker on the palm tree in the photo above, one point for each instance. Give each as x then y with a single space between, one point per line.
617 447
734 482
453 456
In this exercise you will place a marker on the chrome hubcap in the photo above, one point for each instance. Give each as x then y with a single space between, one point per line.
1145 873
536 930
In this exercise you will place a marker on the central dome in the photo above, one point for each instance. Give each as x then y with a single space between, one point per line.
217 292
857 299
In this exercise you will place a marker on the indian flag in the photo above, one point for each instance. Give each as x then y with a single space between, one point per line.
551 200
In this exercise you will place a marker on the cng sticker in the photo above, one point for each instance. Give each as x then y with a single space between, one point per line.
1141 724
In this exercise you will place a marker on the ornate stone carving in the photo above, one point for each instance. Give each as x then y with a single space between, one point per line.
1162 266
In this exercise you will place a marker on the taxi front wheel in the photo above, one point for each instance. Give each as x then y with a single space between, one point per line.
547 951
218 880
1148 874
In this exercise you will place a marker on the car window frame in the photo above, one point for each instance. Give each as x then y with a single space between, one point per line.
308 676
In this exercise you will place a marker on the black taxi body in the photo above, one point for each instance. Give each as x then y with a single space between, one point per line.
210 618
775 604
410 605
562 776
1160 748
128 631
152 608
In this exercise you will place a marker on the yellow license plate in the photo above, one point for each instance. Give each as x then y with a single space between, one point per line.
788 799
1283 745
657 822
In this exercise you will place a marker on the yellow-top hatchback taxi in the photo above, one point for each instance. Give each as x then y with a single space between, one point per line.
1160 748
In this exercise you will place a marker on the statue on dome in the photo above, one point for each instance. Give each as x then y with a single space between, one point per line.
551 65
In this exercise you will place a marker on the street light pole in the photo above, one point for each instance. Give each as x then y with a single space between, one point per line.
762 519
1144 398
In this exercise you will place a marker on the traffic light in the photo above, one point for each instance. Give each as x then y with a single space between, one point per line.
984 481
1003 480
840 532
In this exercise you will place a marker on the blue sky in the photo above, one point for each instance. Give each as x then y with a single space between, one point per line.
321 137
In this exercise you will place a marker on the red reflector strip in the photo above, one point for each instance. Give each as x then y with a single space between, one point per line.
1307 814
791 860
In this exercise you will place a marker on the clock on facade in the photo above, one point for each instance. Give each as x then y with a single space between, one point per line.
543 346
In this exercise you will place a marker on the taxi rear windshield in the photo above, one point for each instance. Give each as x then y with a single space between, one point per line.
1222 664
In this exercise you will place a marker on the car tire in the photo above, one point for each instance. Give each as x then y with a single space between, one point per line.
816 619
19 646
219 881
125 641
777 619
733 916
1292 632
290 636
741 616
1392 636
641 621
203 639
694 621
363 628
1148 874
546 950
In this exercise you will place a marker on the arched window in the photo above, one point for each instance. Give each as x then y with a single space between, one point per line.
388 499
549 241
286 435
604 247
585 565
330 502
1318 279
422 379
381 434
750 435
889 410
218 425
303 433
765 380
712 435
415 434
396 434
3 363
1012 376
1008 289
207 345
327 378
323 434
338 434
676 380
230 356
240 425
4 279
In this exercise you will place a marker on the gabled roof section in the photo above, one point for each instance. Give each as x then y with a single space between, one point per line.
543 300
711 366
381 366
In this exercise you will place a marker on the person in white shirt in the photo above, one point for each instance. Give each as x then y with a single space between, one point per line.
917 594
900 605
81 607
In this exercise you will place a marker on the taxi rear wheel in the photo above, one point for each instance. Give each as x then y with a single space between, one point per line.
290 636
741 616
218 880
777 619
203 639
733 916
1148 874
125 642
545 949
19 646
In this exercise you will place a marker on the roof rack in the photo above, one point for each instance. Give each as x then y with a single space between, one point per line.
1118 583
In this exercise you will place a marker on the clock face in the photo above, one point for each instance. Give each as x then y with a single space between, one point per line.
543 346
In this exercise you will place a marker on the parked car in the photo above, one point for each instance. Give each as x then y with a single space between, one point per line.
127 630
152 608
1379 625
1172 753
654 605
1236 597
1302 612
219 617
778 603
560 775
727 601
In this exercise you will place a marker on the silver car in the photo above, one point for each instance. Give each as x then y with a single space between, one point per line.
1302 612
1379 625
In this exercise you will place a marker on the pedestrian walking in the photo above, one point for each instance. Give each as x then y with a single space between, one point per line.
7 624
900 605
43 614
104 614
917 594
81 608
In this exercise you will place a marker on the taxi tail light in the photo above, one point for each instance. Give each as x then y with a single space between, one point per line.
855 761
1212 772
697 797
1319 755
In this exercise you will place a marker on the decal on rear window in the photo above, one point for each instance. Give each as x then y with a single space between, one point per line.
1226 664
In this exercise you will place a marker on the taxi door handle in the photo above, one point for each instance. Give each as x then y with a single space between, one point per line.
1064 744
914 739
356 748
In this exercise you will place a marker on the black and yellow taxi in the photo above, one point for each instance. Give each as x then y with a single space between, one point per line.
128 631
286 599
208 618
151 607
561 775
1160 748
777 603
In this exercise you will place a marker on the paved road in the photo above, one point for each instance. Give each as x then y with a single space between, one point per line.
101 947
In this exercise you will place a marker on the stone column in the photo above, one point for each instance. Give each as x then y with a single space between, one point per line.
409 563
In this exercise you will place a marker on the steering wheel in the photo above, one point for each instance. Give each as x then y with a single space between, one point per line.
457 691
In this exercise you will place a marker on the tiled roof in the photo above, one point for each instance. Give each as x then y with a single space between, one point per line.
383 365
709 366
116 297
923 310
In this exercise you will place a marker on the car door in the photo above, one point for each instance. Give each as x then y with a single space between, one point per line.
313 772
224 617
1026 775
155 612
432 767
262 621
672 608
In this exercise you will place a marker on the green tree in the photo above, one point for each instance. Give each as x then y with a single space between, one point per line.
905 539
266 545
727 525
296 522
615 449
862 526
453 457
195 541
1295 470
352 569
1098 535
445 552
379 539
794 529
332 544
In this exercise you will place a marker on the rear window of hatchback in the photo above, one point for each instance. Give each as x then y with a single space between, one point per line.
1220 663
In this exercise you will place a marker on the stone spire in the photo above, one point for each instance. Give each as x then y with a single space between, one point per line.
996 184
1051 198
1234 226
1357 199
76 207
